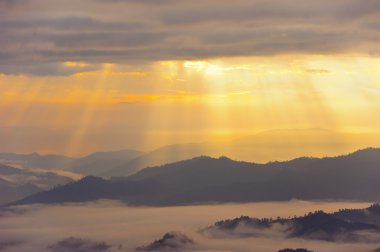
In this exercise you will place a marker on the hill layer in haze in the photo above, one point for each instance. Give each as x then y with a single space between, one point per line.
17 183
280 145
352 177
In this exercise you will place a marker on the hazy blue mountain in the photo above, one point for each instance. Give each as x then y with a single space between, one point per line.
164 155
100 163
316 226
262 147
11 192
36 160
352 177
17 183
6 170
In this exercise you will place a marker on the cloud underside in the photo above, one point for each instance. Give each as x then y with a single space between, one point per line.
136 32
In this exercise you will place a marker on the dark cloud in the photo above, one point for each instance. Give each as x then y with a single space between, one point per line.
129 31
68 23
270 12
73 244
10 3
106 39
52 68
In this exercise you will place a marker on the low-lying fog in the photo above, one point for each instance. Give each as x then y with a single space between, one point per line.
123 228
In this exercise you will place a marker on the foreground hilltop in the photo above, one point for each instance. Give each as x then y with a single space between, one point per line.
342 226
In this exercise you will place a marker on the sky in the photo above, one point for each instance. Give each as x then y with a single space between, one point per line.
82 76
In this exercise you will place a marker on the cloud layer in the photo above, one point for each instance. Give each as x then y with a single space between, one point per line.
109 226
39 35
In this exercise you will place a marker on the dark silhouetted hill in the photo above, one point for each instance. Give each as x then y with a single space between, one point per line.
171 241
73 244
318 226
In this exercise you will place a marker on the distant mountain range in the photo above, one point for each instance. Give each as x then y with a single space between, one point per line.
98 163
262 147
199 180
102 163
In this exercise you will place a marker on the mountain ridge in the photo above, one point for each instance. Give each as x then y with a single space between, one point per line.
355 176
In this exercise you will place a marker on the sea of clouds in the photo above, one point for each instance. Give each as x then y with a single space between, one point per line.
113 226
